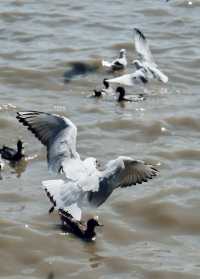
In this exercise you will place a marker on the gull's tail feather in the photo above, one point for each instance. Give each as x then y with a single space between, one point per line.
63 195
106 64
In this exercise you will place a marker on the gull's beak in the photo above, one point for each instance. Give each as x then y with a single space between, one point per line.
97 219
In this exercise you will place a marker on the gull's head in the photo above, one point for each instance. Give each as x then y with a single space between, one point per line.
138 65
122 53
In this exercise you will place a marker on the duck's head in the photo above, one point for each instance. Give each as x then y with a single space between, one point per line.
122 53
121 94
20 146
106 83
97 93
91 225
93 222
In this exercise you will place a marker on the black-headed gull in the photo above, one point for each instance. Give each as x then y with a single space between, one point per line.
119 63
146 60
11 154
84 184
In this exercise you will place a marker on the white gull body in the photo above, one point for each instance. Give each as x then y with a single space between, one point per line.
82 183
119 63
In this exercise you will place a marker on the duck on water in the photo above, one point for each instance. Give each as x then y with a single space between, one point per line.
122 93
11 154
106 90
85 231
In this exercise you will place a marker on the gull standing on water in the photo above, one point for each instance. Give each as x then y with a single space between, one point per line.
84 184
119 63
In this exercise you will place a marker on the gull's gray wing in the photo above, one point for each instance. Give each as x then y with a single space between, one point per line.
142 47
57 133
122 172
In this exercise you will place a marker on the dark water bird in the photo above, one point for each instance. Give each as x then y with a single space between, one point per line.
11 154
121 97
85 231
119 63
105 90
79 68
146 60
84 184
122 93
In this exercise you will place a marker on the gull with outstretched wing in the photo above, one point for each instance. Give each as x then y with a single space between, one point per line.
146 60
85 184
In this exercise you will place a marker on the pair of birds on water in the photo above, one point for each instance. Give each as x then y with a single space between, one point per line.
82 183
146 68
120 92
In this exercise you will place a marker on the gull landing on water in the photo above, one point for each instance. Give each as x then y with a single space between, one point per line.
118 64
146 61
84 184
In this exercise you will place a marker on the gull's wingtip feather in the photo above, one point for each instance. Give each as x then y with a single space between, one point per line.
137 31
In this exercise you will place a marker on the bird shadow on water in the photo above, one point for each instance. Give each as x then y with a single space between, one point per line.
80 68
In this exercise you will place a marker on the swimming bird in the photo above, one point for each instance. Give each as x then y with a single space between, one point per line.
119 63
121 96
84 184
105 90
146 60
12 154
84 231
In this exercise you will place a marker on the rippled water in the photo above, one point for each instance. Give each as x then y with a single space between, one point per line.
151 230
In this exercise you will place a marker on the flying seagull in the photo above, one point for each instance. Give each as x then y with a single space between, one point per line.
84 183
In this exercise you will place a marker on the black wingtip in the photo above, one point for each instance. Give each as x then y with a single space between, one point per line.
140 33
